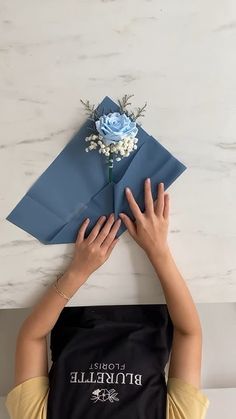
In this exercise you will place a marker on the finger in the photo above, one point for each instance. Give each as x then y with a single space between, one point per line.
93 234
128 223
160 200
149 208
111 247
105 230
166 206
133 204
82 229
109 239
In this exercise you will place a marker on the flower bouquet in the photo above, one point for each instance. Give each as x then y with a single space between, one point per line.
114 133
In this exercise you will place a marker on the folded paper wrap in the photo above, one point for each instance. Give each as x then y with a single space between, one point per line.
75 186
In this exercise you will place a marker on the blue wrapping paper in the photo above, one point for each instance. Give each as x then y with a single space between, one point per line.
75 186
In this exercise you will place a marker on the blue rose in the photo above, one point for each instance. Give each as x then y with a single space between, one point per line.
115 127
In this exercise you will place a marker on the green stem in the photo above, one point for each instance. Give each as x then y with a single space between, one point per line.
110 167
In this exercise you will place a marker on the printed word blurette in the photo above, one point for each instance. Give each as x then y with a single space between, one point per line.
79 377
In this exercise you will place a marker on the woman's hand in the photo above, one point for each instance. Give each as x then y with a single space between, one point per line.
93 251
90 253
150 227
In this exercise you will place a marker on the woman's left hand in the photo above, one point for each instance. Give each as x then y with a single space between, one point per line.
91 252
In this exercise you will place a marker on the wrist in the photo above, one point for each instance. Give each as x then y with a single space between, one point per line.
76 275
71 281
158 255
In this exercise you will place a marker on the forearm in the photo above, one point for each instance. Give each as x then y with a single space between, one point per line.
46 312
31 348
179 301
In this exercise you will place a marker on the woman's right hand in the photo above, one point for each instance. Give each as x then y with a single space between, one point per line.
150 228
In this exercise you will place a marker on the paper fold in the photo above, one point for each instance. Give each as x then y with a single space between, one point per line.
75 186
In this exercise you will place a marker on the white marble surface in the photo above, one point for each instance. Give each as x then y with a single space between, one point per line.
180 57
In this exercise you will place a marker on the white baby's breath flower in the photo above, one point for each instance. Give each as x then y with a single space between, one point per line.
120 149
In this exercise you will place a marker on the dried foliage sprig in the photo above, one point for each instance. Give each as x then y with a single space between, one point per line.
90 110
124 102
140 112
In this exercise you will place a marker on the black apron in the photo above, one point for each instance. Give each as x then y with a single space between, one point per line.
108 362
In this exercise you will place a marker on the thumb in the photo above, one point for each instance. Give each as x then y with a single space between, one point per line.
128 223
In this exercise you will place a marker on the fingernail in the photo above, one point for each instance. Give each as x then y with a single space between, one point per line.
148 179
127 189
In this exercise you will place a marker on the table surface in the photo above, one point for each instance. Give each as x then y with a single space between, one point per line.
180 57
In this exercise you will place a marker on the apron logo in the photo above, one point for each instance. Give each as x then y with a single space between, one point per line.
104 394
82 377
101 374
